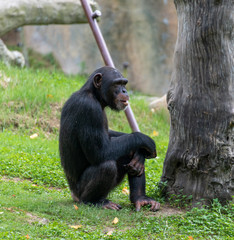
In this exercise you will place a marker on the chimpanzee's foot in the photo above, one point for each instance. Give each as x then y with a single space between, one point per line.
107 204
111 205
104 203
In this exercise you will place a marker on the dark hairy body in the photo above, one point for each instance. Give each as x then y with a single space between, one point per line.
94 158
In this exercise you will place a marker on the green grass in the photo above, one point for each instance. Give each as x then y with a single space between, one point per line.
35 201
34 89
45 213
33 99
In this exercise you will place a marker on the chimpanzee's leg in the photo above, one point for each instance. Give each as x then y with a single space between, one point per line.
73 187
137 189
96 182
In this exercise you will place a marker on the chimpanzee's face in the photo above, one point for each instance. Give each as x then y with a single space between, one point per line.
118 95
111 85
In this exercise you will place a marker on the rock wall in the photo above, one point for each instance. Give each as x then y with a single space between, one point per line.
72 45
142 33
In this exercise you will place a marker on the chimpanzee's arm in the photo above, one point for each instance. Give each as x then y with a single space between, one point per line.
118 134
136 165
115 134
95 141
98 147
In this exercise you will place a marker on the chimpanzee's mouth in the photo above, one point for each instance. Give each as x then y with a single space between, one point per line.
125 103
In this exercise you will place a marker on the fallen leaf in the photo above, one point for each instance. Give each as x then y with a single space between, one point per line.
75 207
109 233
125 191
76 226
49 96
4 84
10 209
115 221
155 133
35 135
5 81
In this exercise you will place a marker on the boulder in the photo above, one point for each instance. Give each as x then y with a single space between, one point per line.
11 57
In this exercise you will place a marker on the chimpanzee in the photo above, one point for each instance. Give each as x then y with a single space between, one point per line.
94 158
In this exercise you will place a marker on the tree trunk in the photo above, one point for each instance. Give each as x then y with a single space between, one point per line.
200 156
16 13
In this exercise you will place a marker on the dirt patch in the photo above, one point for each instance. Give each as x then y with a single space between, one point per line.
56 109
109 230
15 179
48 121
34 218
31 218
166 210
5 179
51 122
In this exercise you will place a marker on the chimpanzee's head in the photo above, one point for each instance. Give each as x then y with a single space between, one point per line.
110 86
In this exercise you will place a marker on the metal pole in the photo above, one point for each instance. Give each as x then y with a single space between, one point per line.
91 16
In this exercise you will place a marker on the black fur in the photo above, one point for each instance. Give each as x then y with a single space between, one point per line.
94 158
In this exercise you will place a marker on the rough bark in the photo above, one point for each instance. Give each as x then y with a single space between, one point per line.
200 156
16 13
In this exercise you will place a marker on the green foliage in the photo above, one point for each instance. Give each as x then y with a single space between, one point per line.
180 200
41 207
215 221
38 61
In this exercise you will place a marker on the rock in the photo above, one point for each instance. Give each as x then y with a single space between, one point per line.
159 103
11 57
16 13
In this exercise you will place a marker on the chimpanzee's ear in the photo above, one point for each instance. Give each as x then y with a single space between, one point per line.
97 80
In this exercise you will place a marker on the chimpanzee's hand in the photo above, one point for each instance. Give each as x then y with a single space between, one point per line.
143 201
136 166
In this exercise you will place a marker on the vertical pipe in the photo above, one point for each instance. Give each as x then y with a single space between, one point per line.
91 16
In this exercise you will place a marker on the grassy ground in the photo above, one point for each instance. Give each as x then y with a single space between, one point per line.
35 202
